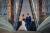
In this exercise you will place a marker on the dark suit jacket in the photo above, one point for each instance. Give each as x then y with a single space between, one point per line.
28 19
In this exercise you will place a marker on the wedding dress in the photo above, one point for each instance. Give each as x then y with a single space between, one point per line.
22 27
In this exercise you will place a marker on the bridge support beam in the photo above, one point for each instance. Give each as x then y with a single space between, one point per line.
10 11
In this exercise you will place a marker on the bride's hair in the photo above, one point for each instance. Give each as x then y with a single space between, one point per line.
23 19
23 15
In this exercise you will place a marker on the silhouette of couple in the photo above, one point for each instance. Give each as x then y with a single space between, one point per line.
25 23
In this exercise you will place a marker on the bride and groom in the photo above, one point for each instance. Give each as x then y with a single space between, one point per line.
25 23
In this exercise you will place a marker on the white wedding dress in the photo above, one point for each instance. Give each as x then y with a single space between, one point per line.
22 27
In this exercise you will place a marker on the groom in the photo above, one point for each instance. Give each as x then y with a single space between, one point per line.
28 22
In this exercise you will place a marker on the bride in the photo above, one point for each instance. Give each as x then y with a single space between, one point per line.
22 27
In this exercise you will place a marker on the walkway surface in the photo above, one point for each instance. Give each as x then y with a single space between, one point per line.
4 24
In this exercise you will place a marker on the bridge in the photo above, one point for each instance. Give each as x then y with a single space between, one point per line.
39 10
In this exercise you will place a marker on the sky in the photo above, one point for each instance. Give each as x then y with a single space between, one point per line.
26 8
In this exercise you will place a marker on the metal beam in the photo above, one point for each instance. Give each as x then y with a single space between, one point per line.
19 9
10 11
31 6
